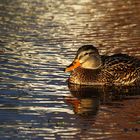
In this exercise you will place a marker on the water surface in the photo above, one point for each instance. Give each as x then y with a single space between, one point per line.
38 39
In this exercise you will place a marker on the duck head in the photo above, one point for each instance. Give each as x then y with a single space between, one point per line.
87 57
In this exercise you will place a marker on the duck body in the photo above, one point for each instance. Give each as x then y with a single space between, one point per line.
118 69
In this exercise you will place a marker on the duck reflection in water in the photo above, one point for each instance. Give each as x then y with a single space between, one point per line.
86 100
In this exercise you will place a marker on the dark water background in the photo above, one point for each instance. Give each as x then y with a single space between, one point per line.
38 38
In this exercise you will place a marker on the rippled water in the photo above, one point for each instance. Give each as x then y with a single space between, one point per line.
38 39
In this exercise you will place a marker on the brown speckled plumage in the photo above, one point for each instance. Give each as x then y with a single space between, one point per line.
119 69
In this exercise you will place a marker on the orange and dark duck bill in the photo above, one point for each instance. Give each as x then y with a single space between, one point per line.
73 65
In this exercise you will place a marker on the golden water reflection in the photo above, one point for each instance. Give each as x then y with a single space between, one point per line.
110 110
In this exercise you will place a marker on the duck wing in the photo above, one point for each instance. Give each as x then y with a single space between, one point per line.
121 68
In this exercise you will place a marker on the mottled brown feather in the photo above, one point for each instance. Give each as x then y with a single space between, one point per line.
116 69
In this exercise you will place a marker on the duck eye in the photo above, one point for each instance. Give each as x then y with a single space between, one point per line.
86 53
82 55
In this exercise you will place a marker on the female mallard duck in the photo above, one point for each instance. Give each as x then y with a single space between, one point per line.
90 68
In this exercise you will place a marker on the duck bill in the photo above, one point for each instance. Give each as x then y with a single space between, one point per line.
73 65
